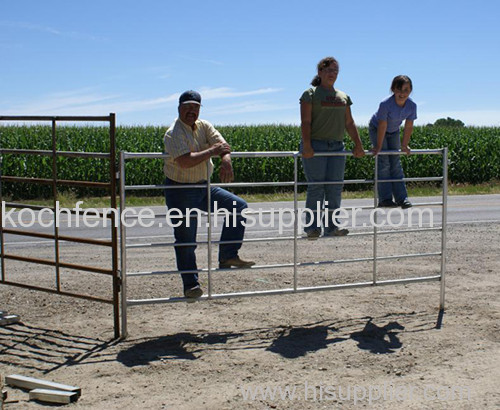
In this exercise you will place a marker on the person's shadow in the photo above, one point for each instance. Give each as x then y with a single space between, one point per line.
172 347
378 339
299 341
290 343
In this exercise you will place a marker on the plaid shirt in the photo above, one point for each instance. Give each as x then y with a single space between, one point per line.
181 139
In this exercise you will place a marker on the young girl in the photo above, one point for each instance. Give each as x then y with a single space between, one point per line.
384 135
325 114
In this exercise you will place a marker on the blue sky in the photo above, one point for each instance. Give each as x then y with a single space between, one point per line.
250 60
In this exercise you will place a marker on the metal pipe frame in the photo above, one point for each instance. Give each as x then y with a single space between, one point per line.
443 225
55 236
295 265
288 291
70 154
270 239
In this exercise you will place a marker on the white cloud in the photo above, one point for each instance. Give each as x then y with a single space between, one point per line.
92 101
30 26
89 101
62 103
249 106
50 30
225 92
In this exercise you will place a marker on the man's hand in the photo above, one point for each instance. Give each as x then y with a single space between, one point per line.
220 148
406 149
226 169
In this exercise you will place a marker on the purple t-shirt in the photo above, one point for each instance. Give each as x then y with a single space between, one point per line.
389 111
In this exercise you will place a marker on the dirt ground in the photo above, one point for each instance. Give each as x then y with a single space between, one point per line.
372 347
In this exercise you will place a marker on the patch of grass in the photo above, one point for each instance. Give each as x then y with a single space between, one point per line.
413 191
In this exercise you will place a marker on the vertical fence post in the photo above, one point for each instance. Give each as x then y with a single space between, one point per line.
296 216
209 230
443 226
54 194
123 248
114 225
2 250
375 200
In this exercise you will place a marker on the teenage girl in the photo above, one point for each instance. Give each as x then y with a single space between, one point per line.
325 114
384 131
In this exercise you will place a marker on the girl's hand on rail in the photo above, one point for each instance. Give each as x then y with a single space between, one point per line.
307 151
358 151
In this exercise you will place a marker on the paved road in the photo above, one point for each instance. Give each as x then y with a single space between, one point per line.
471 209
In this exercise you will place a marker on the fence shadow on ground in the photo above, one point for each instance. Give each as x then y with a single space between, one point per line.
377 335
46 350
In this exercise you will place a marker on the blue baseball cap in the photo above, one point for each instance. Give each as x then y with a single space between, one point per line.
190 97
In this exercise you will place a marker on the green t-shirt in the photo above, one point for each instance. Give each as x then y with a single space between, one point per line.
328 112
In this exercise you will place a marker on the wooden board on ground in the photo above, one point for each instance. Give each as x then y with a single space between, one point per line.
9 320
31 383
53 396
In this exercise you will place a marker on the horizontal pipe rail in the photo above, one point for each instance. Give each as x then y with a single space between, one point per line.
280 154
355 181
287 265
161 186
411 255
104 185
54 291
396 231
71 154
171 244
71 211
135 302
88 241
27 206
106 118
271 239
249 211
274 184
60 264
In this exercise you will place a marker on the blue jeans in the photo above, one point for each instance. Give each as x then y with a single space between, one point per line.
191 198
389 167
323 169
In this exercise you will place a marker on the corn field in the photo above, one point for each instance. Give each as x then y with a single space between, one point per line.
474 155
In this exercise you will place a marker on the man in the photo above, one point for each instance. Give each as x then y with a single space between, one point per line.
191 143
